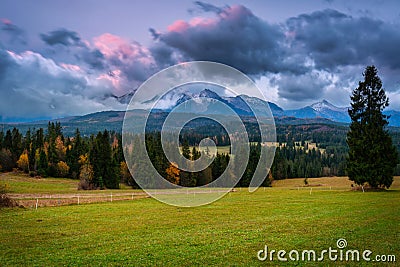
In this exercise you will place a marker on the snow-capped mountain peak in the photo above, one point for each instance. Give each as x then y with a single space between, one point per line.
208 93
325 105
322 109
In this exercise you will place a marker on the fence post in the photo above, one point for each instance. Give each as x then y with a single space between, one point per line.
310 190
111 196
78 199
37 201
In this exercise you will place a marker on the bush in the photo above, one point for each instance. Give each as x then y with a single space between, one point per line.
5 200
6 160
85 185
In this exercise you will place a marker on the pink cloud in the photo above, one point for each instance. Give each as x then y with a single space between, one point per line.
6 21
108 43
235 12
182 26
70 67
114 78
116 47
229 13
178 26
205 22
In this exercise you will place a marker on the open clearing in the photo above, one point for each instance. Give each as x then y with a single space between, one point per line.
229 232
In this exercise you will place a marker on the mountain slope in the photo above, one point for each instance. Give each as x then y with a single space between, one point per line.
322 109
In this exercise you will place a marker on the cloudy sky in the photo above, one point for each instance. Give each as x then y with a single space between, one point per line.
61 58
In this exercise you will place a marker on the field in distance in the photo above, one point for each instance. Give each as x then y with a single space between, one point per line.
22 184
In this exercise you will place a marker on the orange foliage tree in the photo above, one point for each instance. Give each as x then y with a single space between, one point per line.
173 173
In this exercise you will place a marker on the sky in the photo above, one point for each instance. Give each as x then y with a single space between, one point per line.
63 58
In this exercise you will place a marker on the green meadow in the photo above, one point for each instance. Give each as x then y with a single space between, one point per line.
228 232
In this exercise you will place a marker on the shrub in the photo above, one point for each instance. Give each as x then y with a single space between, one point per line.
85 185
5 200
6 160
62 169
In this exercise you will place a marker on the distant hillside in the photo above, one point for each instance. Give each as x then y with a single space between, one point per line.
320 113
323 109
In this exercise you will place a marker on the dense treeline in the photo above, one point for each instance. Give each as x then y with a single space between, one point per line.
98 160
295 157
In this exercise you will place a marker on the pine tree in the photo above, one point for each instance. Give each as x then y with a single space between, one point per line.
43 163
187 178
73 154
1 139
104 165
186 149
372 157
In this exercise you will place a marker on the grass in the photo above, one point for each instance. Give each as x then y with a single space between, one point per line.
228 232
342 183
18 183
23 184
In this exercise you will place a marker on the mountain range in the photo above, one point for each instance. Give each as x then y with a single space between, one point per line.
320 113
319 110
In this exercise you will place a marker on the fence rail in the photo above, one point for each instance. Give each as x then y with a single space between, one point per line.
52 200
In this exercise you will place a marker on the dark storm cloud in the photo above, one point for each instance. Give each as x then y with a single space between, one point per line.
61 36
154 33
335 39
74 44
33 86
93 57
309 86
235 37
206 7
165 56
308 52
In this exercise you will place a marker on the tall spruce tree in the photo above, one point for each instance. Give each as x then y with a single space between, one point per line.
372 157
104 166
186 178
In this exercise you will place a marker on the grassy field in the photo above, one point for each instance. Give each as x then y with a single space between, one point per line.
228 232
23 184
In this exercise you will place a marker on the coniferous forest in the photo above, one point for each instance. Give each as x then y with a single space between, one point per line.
98 161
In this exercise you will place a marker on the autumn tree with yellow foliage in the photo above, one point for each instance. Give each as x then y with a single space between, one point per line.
23 162
173 173
62 169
